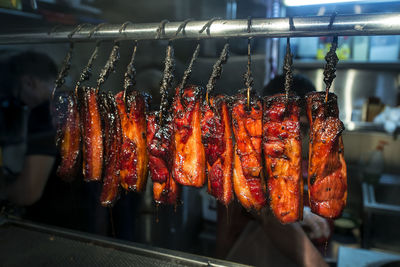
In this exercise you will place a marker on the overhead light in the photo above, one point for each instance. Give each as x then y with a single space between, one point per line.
322 2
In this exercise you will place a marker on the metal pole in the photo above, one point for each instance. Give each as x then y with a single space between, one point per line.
361 24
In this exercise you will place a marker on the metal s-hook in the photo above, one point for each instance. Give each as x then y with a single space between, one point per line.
217 70
77 29
248 76
87 70
208 25
332 19
161 29
129 77
109 66
95 29
182 27
288 62
331 60
66 65
123 27
188 71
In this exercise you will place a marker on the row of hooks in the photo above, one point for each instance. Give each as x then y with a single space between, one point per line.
109 67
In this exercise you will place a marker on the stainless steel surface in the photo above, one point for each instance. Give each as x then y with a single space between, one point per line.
382 197
354 83
349 257
24 243
360 24
381 208
363 126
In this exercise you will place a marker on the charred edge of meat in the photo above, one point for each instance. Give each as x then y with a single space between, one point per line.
279 98
131 99
241 98
318 107
186 97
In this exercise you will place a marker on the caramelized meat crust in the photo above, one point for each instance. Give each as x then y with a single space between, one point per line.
218 144
248 178
92 136
282 155
327 174
134 158
160 148
189 155
112 149
69 142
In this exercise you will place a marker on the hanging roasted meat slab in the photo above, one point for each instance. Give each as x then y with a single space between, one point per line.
189 155
160 148
282 155
69 141
92 136
327 175
218 144
112 149
134 158
248 178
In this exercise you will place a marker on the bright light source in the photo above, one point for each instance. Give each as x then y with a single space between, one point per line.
322 2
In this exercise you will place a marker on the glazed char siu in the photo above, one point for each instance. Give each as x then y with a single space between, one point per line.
189 155
248 179
69 141
134 158
282 155
218 144
92 136
327 177
160 148
112 149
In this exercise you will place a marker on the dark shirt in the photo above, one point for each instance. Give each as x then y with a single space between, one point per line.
41 133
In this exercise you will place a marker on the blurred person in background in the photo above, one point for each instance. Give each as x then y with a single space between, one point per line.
26 87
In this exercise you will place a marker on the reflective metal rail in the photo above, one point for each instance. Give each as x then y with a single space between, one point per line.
360 24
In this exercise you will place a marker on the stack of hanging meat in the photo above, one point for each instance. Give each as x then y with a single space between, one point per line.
222 140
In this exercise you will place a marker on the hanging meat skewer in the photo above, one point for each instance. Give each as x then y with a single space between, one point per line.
111 135
160 147
282 154
248 177
189 155
131 109
112 149
68 134
282 150
327 173
69 142
217 138
160 144
91 129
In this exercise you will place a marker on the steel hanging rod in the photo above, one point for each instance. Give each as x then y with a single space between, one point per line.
360 24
